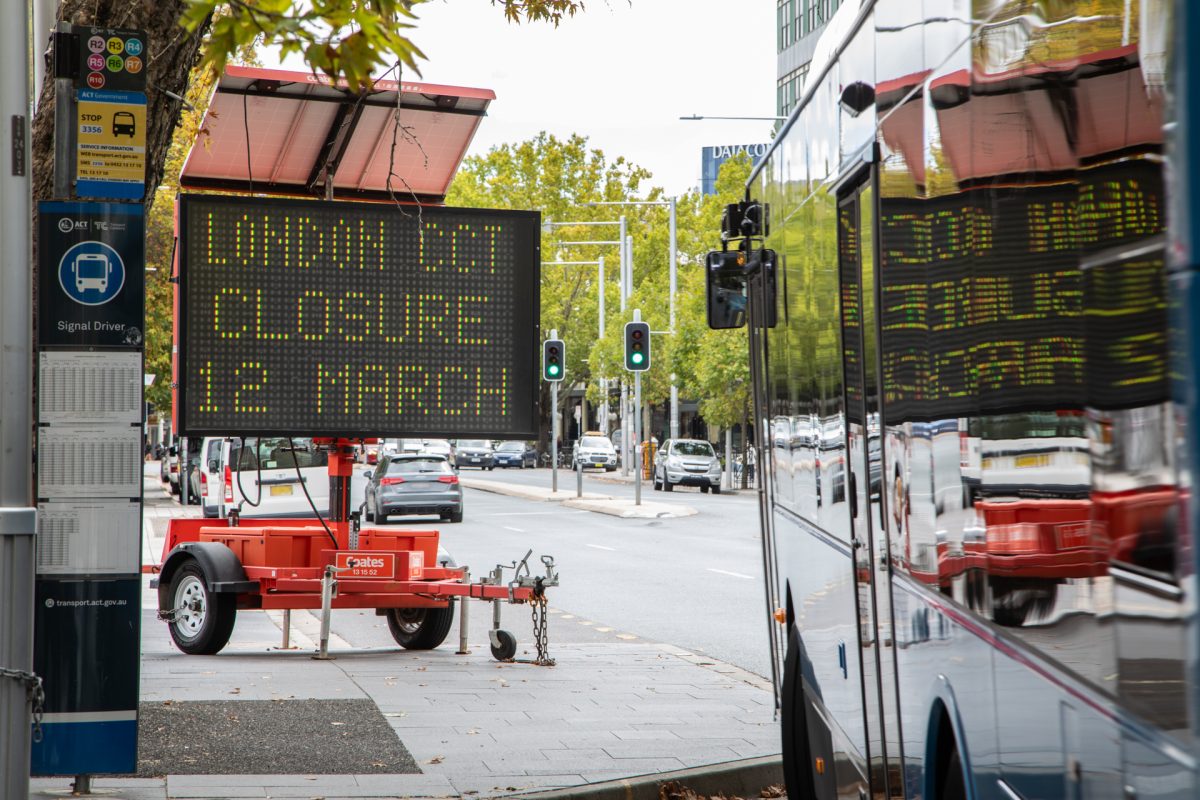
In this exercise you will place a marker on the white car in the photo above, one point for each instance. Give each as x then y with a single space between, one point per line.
268 478
594 450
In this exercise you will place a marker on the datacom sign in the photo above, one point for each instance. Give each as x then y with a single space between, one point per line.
714 156
354 319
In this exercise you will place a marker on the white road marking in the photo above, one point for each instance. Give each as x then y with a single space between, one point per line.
602 547
731 574
532 513
511 528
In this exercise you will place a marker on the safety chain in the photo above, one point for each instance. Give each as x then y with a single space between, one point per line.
537 607
37 695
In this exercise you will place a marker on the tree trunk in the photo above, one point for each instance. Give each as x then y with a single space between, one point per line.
170 56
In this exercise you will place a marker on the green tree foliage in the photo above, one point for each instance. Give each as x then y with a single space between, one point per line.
347 40
558 178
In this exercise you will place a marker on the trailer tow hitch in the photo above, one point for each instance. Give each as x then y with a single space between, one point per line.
503 643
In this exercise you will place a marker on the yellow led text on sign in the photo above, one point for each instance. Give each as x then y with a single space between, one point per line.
995 303
346 318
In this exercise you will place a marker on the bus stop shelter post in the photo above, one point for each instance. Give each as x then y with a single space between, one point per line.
18 519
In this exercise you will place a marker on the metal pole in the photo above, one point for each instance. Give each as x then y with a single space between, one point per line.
18 521
629 265
600 271
674 262
554 436
674 408
674 285
578 478
637 481
729 458
463 605
637 421
328 590
64 131
623 282
624 428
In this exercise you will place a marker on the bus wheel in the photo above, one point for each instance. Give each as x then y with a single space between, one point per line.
797 749
202 621
420 628
953 785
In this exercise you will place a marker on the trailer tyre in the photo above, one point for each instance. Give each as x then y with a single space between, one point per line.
420 628
203 619
507 648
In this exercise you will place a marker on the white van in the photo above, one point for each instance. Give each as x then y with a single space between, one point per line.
264 477
211 472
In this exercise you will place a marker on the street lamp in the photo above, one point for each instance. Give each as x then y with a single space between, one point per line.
670 204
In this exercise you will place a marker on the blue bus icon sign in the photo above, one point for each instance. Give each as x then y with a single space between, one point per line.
91 273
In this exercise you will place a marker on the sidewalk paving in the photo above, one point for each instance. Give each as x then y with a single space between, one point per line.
590 501
473 726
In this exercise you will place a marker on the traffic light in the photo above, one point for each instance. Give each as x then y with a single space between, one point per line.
554 359
637 346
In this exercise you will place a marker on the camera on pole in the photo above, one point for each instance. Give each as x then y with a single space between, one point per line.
637 346
554 359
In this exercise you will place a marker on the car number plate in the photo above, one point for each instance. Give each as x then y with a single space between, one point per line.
281 491
474 460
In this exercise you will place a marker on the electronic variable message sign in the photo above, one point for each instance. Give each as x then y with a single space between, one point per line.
351 319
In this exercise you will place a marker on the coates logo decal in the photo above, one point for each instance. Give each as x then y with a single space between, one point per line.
366 565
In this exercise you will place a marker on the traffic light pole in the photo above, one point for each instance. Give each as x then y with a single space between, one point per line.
637 421
554 427
637 481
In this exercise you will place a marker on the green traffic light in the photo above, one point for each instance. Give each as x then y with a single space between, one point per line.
553 369
636 358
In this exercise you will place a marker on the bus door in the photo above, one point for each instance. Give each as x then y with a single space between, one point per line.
864 453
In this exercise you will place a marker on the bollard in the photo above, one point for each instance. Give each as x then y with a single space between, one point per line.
328 589
579 479
287 629
463 605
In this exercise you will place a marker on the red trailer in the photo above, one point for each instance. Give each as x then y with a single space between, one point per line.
212 568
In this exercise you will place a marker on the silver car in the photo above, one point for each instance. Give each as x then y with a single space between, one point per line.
404 484
687 462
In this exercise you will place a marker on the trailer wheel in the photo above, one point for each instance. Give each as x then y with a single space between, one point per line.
507 648
203 619
420 628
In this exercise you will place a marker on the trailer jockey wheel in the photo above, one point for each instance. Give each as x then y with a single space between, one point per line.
203 620
504 645
420 628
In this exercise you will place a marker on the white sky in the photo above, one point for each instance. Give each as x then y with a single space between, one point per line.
621 73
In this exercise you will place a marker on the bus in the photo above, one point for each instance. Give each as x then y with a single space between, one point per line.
973 347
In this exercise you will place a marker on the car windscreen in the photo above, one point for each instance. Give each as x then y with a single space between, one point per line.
510 447
416 466
440 444
692 449
275 453
476 444
595 443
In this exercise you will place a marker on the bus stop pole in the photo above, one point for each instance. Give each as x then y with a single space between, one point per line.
17 517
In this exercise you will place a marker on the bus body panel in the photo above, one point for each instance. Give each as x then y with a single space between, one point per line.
972 351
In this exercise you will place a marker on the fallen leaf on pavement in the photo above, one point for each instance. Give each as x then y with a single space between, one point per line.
436 760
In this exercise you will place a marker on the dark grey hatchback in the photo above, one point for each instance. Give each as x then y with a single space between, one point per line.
413 484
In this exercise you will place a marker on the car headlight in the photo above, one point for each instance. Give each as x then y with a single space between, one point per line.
714 466
674 463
